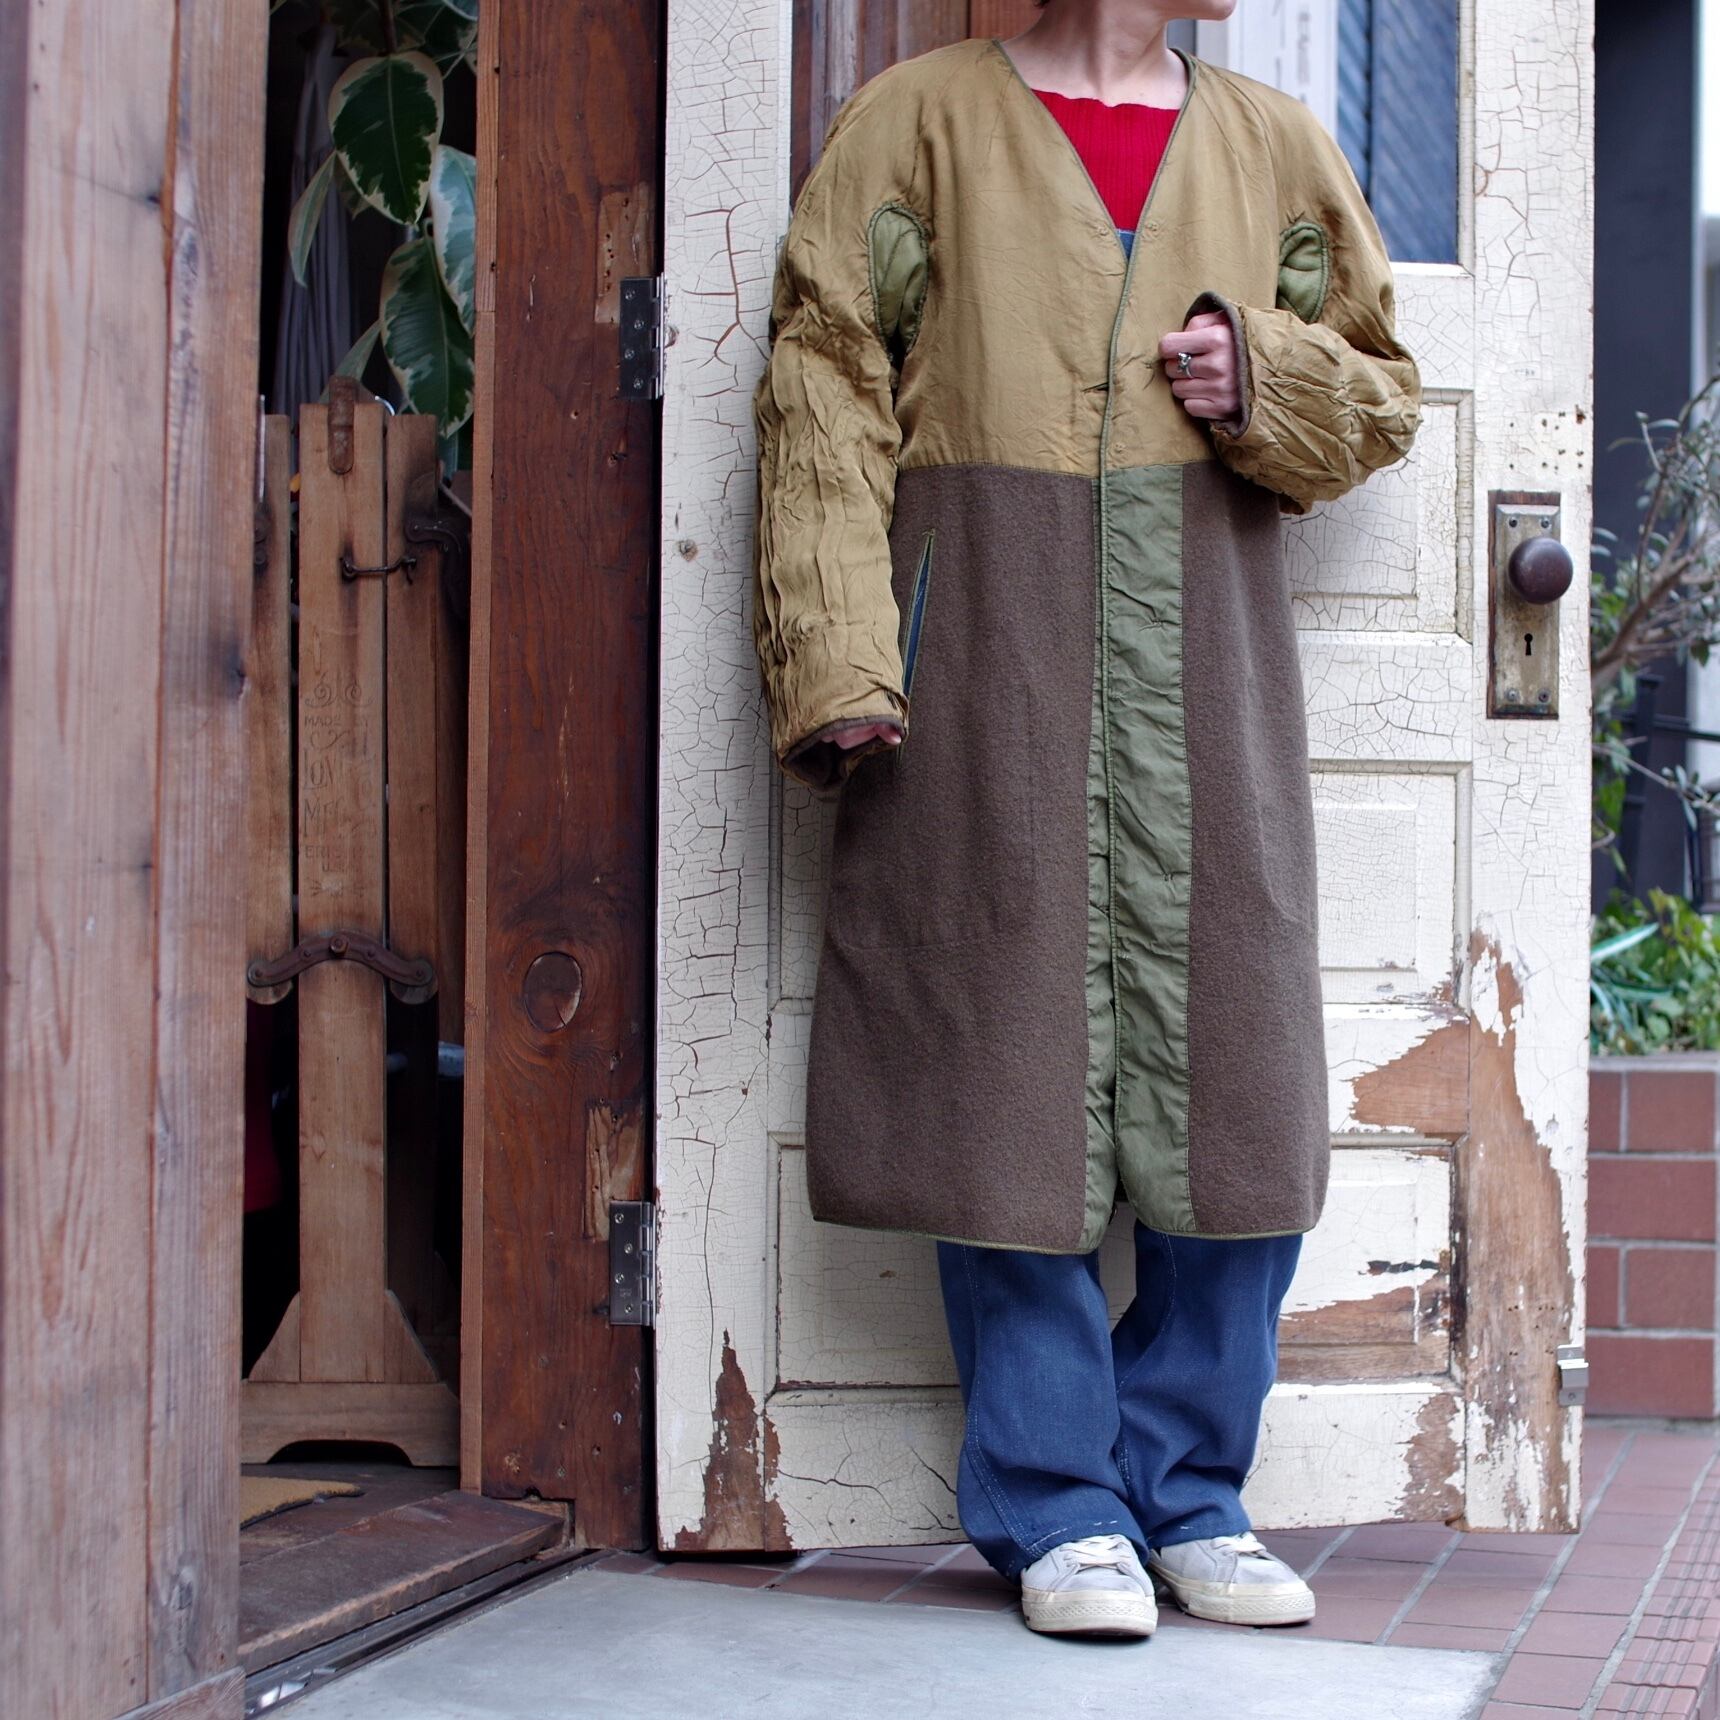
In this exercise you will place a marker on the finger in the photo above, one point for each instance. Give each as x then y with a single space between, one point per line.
1204 367
1205 406
1199 387
1195 340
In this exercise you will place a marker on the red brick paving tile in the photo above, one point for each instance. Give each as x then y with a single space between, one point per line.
1628 1529
967 1577
1669 1287
968 1559
1606 1304
1586 1634
1420 1542
1486 1604
928 1554
1520 1711
629 1564
1348 1618
1663 1666
1606 1090
1659 1499
1553 1680
735 1576
1585 1594
1667 1459
1660 1704
1610 1559
1670 1111
1506 1567
849 1579
1504 1541
1449 1636
1364 1577
1659 1200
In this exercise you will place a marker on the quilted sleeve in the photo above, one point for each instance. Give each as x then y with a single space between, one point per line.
1329 393
825 621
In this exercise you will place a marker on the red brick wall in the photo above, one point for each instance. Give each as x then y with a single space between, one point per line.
1654 1319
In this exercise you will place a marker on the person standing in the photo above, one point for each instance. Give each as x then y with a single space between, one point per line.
1061 329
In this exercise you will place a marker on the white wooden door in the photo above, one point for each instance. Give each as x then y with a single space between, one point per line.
805 1391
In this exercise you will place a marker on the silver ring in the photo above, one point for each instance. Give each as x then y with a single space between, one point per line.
1185 364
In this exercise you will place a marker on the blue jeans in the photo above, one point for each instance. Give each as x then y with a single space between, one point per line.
1075 1429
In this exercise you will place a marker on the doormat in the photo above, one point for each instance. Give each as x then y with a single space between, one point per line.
263 1496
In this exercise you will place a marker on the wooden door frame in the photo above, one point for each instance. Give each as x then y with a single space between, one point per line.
561 997
133 141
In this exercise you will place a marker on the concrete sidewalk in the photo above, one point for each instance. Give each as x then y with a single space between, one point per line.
600 1642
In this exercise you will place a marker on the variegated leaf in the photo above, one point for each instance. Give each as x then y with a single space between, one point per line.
428 347
385 115
306 217
453 224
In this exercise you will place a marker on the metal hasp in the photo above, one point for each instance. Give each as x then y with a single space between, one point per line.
410 981
1573 1373
632 1263
641 330
1529 570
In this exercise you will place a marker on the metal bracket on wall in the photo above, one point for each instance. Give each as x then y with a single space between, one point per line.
632 1263
642 337
1573 1367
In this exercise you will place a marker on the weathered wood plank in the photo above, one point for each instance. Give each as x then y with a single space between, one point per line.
570 871
84 95
477 765
210 476
219 1698
416 643
340 840
422 1419
389 1562
269 714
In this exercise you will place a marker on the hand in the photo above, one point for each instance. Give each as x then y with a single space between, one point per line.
1213 388
850 738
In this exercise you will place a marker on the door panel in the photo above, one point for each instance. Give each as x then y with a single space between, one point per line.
806 1389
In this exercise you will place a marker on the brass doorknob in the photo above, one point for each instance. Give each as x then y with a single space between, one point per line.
1541 569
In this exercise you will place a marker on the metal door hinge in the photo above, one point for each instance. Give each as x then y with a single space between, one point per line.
632 1263
1573 1373
642 339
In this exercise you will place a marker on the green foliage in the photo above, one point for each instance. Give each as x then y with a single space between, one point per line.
1654 977
1652 596
428 348
385 116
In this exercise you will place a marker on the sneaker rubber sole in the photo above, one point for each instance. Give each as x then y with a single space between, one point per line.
1238 1603
1089 1612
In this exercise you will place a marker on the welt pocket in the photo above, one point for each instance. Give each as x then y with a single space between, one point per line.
916 619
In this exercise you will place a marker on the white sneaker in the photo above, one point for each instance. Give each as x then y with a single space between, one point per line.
1093 1585
1233 1579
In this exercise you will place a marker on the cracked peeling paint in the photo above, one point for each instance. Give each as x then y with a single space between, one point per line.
1489 821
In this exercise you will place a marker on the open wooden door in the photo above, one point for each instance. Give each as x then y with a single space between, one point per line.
805 1390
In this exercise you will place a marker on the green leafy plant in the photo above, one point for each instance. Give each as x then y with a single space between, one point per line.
385 116
1656 596
1654 977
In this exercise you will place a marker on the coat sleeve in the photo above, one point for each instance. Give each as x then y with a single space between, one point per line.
1329 393
825 620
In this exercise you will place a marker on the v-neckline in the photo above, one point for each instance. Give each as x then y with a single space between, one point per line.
1126 251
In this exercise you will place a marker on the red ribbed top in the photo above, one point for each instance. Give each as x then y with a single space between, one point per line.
1121 147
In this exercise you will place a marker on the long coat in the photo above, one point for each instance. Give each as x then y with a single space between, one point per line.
1070 944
